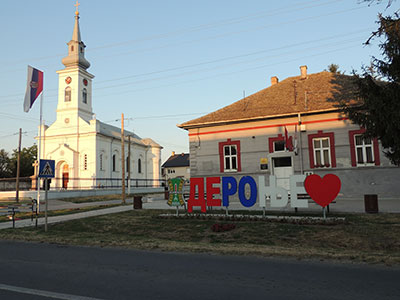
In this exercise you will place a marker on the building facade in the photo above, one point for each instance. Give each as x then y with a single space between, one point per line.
177 165
87 151
292 127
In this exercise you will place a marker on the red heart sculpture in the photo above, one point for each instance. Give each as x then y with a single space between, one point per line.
322 190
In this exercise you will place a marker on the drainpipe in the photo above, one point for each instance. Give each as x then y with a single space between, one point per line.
300 146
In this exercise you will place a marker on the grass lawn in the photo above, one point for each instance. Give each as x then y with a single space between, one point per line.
364 238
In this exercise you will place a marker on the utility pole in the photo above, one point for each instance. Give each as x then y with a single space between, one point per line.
123 158
129 165
18 166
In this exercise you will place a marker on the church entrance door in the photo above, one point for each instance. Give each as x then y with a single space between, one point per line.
65 176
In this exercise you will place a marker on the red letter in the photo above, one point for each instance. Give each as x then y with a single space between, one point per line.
200 201
213 191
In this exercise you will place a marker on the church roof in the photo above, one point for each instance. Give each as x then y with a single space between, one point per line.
298 94
115 132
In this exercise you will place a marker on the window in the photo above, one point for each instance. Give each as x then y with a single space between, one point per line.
229 156
84 95
85 162
364 151
114 163
277 144
67 97
322 156
282 161
139 165
72 48
321 147
101 161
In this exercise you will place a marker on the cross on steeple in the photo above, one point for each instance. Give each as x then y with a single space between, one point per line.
77 5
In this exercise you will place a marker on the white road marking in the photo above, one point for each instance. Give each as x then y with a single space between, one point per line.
48 294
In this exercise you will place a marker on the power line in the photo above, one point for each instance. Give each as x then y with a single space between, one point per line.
213 61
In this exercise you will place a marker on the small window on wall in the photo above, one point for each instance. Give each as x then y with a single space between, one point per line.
67 97
322 155
101 161
139 165
279 146
321 147
114 163
84 95
85 164
229 156
364 150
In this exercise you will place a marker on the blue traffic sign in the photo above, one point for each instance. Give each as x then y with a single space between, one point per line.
47 168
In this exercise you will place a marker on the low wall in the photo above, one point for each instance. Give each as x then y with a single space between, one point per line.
59 194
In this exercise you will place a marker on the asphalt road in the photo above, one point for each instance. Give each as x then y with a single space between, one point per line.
42 271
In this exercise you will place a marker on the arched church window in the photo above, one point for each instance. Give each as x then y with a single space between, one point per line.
72 48
85 162
114 163
139 163
84 95
67 94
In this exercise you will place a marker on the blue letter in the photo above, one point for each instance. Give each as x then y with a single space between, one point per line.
253 191
226 191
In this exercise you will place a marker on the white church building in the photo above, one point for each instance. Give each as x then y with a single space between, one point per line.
87 152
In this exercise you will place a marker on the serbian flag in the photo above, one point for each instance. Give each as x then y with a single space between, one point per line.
33 88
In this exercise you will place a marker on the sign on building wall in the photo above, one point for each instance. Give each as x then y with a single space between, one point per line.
264 163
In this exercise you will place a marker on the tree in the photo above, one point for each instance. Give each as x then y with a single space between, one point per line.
377 103
27 158
334 68
5 170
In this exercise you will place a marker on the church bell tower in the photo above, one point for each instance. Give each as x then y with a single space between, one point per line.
74 82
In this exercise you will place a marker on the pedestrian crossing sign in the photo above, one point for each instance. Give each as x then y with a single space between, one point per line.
46 168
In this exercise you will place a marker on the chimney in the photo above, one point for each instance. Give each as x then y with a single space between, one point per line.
274 80
173 153
303 71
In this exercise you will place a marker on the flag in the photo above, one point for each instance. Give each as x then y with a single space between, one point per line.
288 141
34 87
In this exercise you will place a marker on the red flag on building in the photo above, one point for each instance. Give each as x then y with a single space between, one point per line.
288 141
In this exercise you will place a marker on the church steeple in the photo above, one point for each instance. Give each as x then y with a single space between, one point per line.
75 82
76 48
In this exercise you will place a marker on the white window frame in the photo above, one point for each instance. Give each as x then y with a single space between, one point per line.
230 156
321 150
364 147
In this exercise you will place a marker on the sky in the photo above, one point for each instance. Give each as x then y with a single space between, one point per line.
162 63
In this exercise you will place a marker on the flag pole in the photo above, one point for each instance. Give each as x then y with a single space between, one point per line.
39 153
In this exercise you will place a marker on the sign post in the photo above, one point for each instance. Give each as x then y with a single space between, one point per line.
46 171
